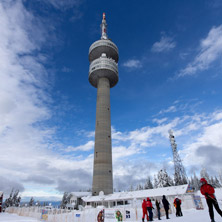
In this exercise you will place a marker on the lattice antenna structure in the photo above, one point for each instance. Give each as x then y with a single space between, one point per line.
180 177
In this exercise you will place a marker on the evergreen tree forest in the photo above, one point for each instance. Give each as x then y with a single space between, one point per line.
163 179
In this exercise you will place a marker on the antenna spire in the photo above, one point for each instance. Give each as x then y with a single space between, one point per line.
104 27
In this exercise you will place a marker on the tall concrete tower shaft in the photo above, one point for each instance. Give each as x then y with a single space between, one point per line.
103 74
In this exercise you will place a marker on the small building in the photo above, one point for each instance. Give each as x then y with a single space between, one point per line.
1 201
76 199
135 198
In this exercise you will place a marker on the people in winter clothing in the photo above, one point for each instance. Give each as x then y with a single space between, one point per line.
208 191
177 204
150 208
166 206
158 208
144 207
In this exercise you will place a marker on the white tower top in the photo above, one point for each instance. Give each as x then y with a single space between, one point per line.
104 27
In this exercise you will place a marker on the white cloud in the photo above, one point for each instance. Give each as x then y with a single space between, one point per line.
122 151
169 110
86 147
64 4
159 121
217 115
210 51
21 90
145 137
206 148
181 106
165 44
26 144
133 63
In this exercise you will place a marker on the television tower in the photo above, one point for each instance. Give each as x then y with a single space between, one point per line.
180 177
103 74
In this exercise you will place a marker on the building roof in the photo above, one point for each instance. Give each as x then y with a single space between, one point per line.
139 194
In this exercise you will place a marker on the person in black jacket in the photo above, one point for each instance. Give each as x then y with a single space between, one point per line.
158 208
166 206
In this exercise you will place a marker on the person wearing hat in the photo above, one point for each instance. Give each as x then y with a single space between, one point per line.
208 191
144 211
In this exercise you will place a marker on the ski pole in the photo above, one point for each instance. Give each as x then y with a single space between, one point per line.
213 199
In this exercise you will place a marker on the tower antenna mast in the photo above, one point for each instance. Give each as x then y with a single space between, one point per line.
180 177
103 75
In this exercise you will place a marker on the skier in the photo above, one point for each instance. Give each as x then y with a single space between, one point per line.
158 208
150 208
166 206
177 204
144 211
208 191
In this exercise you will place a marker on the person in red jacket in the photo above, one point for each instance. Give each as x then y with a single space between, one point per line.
144 210
150 208
208 191
177 204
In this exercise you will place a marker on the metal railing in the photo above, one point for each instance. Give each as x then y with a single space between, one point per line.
103 42
103 63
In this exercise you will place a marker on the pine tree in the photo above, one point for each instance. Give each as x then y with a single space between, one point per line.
204 174
155 183
196 182
220 176
217 182
31 202
148 184
170 181
16 199
131 188
69 198
64 200
190 181
212 182
164 180
10 202
139 187
13 199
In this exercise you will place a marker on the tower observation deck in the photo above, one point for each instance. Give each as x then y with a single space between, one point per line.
103 74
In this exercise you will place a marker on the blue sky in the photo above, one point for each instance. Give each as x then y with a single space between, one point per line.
169 78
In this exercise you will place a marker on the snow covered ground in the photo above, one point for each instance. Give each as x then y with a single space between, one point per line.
6 217
193 216
189 216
